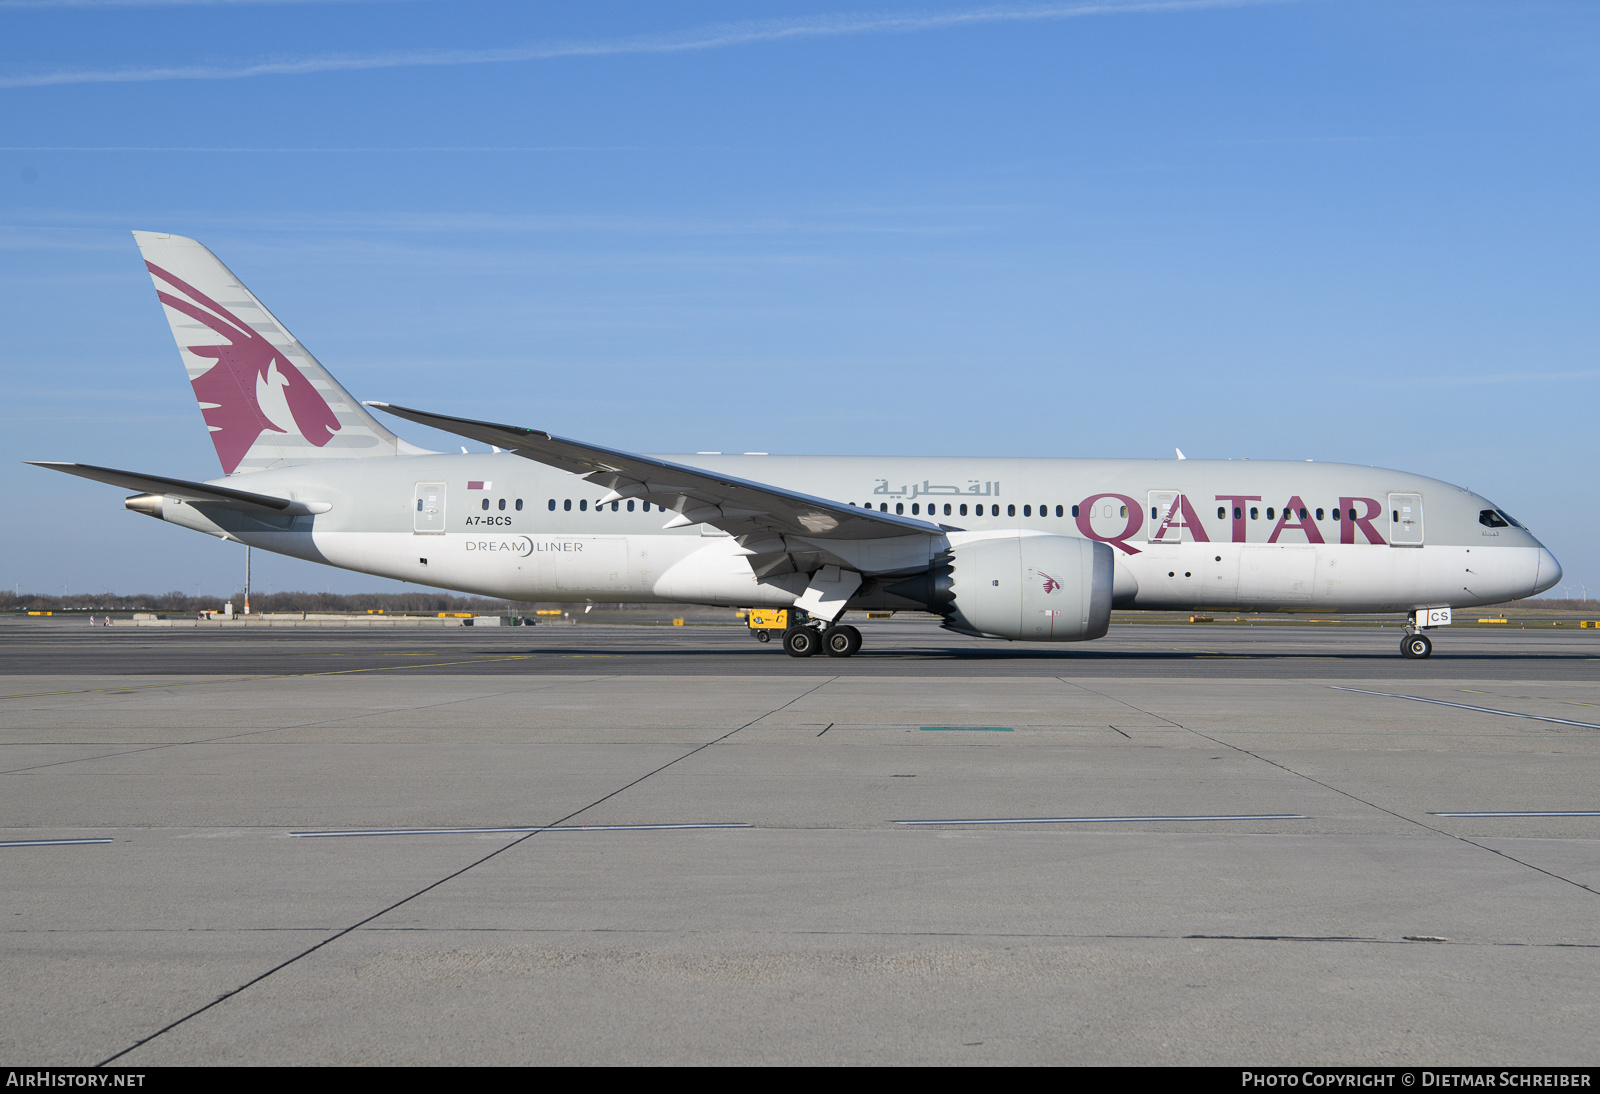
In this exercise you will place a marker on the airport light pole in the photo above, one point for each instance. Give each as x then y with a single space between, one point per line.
246 579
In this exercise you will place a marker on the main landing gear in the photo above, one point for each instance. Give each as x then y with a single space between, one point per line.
804 641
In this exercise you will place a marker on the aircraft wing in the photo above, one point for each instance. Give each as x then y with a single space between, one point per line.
182 488
759 515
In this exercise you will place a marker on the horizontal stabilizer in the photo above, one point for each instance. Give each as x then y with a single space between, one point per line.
188 491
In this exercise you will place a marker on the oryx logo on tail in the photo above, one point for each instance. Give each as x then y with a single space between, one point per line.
252 389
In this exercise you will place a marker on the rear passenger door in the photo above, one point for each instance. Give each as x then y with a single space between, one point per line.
429 512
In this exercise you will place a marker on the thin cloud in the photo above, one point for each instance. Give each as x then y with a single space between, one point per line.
718 36
8 5
420 148
1495 378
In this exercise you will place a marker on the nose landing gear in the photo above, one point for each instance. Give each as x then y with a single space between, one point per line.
1415 645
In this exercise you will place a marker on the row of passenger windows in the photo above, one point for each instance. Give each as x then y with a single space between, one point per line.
978 510
1488 517
1272 513
583 506
1063 510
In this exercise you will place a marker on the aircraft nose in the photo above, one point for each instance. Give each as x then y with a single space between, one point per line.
1549 572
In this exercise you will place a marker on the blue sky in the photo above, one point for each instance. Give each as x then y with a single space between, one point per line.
1329 229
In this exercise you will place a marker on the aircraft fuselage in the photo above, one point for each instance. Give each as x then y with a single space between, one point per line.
1189 534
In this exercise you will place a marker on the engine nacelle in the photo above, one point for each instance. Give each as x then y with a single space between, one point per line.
1032 586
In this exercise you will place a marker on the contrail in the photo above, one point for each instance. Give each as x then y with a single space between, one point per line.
717 36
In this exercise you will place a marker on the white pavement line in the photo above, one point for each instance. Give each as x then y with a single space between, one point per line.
537 828
1112 820
49 842
1467 706
1528 813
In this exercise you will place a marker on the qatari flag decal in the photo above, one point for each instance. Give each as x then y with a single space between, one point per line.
479 484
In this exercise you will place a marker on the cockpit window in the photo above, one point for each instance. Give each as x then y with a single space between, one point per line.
1491 519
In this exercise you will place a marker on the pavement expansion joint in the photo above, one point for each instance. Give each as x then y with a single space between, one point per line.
1467 706
448 877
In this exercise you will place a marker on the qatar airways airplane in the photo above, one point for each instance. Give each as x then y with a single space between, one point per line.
1036 550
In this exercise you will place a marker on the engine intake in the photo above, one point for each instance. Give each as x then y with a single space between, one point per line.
1029 586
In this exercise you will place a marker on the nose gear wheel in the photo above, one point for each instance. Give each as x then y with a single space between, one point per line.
1415 646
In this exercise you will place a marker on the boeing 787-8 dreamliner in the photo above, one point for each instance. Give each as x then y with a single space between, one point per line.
1036 550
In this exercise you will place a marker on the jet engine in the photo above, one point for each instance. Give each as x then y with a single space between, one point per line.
1036 587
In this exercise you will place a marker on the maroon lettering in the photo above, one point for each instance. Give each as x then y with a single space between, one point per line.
1180 515
1347 529
1135 521
1237 501
1307 525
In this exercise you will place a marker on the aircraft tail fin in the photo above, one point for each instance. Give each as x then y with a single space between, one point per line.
265 399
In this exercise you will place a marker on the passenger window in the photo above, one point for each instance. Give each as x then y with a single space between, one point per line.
1255 514
1123 511
947 509
1303 513
630 506
502 504
1027 510
883 507
1074 510
519 505
1352 513
583 505
486 503
1336 514
1058 511
1222 512
615 506
646 507
963 508
1238 514
899 509
567 505
1269 512
914 509
1011 510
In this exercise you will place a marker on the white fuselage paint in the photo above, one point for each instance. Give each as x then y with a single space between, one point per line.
1210 561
